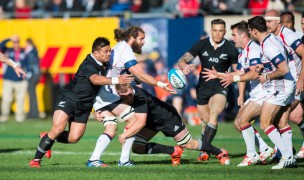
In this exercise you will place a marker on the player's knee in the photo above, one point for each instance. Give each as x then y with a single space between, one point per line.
126 114
110 125
184 140
236 125
295 118
139 145
74 139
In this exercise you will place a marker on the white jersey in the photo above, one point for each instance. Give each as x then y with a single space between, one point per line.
250 56
122 58
273 53
291 42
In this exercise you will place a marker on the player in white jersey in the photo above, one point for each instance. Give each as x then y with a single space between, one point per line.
248 61
295 50
108 104
277 83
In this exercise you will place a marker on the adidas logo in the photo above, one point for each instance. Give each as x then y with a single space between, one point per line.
205 54
61 103
176 128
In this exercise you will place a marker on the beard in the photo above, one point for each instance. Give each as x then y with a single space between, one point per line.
136 48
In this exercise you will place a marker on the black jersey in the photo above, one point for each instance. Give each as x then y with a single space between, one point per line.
221 58
80 89
157 110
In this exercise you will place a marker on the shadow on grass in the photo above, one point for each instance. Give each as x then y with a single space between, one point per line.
10 150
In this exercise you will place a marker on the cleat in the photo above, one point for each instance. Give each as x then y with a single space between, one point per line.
96 163
268 153
128 163
247 161
223 157
35 163
48 153
176 156
285 163
300 154
203 156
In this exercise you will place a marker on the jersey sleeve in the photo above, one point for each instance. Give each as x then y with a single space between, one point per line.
254 56
274 55
89 70
291 39
128 58
195 49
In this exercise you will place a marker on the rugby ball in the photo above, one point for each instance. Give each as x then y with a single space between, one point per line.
177 78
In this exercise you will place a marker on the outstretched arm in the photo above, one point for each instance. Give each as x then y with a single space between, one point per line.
18 70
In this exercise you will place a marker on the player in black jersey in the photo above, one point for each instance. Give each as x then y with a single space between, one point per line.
75 101
159 116
217 52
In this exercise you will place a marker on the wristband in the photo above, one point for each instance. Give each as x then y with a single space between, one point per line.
114 80
221 75
14 64
161 84
236 78
266 77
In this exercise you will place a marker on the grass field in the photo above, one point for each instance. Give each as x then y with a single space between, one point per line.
19 141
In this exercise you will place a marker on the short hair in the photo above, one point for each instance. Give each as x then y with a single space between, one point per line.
132 31
218 21
258 23
122 88
99 43
242 27
290 14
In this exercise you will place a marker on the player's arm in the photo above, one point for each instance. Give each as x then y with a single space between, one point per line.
18 70
146 78
183 63
282 69
103 80
300 83
133 127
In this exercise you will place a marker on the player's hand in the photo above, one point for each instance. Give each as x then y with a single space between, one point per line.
240 101
19 71
210 73
165 86
227 80
261 78
299 86
126 79
187 69
122 139
98 116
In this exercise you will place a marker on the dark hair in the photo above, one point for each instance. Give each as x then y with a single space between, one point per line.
218 21
302 14
99 43
290 14
258 23
241 27
132 31
30 41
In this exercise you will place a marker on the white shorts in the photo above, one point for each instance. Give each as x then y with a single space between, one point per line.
279 98
105 98
256 96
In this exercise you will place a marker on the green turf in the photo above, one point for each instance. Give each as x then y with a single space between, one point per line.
18 143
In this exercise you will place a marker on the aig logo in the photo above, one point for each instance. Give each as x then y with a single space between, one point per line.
212 59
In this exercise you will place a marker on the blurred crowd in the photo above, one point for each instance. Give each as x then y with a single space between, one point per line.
177 8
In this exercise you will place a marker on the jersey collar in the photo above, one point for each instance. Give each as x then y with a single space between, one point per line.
99 63
219 45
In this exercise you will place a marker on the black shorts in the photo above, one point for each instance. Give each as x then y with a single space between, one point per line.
78 112
169 127
204 93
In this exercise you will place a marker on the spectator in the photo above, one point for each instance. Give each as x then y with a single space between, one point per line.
12 83
33 76
189 8
213 6
140 6
74 5
257 7
56 6
22 10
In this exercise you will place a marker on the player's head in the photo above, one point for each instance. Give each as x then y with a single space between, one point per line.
302 22
272 18
101 49
218 30
125 91
240 32
256 25
288 20
133 35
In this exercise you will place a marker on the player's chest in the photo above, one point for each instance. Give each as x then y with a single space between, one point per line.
214 56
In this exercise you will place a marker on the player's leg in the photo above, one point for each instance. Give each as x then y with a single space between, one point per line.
296 116
249 111
110 123
60 120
